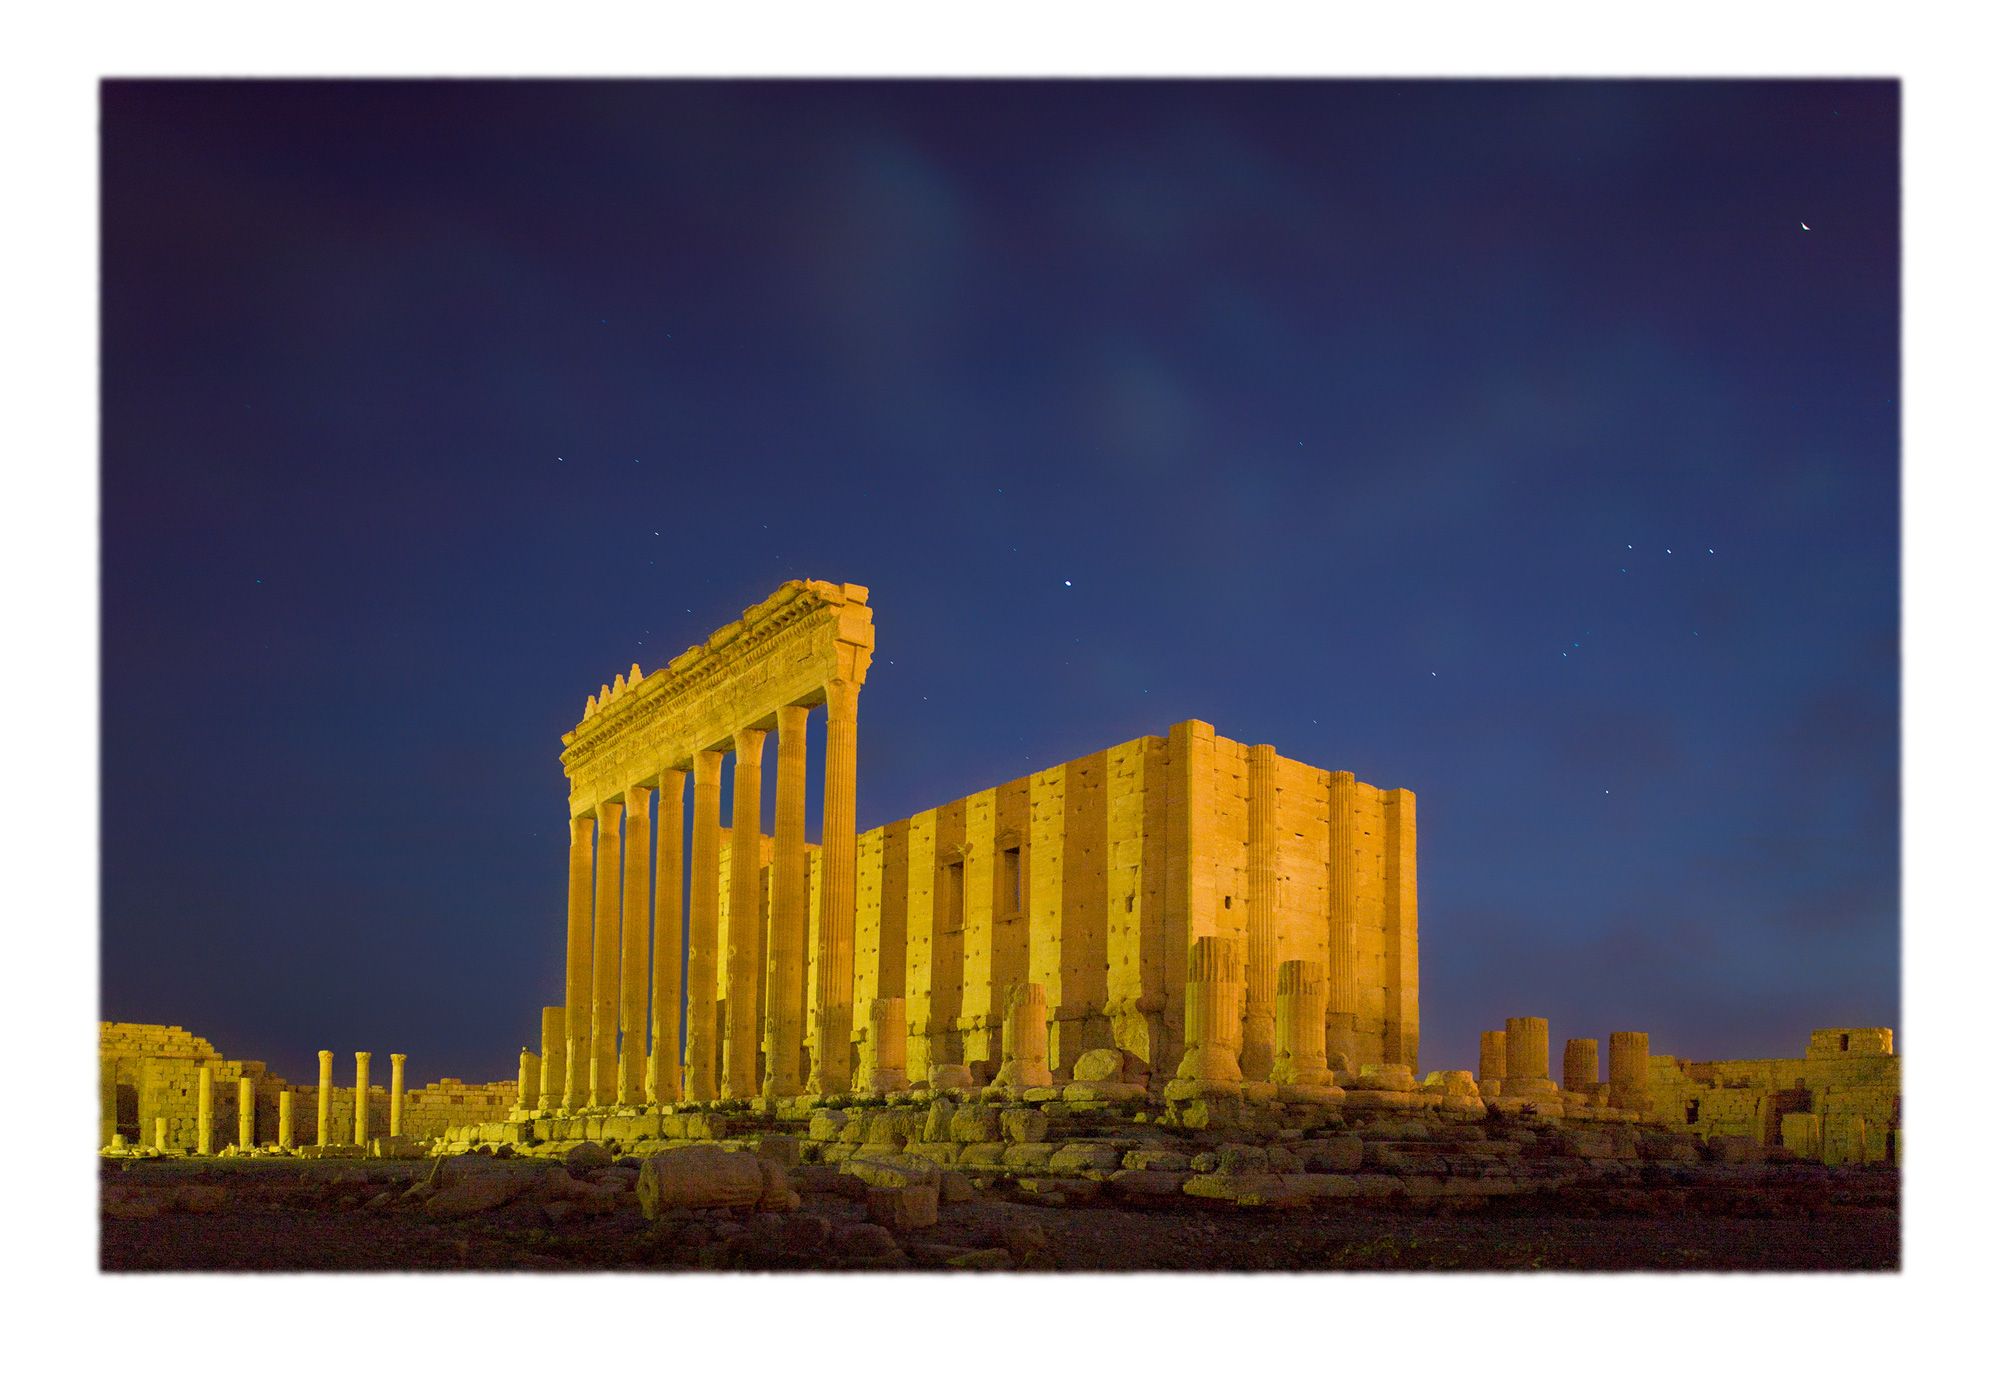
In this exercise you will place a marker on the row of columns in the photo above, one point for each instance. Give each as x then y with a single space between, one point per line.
601 1057
246 1107
1514 1063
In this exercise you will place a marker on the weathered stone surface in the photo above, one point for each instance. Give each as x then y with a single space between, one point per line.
1341 1153
1099 1066
975 1123
903 1207
1146 1187
586 1155
1084 1158
1032 1156
826 1125
1155 1159
478 1191
899 1169
1244 1189
707 1177
1024 1124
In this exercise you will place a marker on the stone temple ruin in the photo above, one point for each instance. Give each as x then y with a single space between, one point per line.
1028 984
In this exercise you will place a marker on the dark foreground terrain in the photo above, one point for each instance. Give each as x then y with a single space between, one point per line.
288 1215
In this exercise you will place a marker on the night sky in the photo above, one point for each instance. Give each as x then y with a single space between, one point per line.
1531 446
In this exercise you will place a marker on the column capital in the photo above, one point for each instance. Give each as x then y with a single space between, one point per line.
580 827
750 746
708 766
609 809
638 802
398 1059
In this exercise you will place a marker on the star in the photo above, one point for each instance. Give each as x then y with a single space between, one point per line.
1804 225
1065 583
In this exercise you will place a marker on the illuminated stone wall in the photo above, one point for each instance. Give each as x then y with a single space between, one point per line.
1846 1072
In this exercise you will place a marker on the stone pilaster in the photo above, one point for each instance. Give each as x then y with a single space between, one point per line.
1024 1040
361 1059
396 1094
1261 954
888 1046
635 937
603 1074
204 1111
663 1065
553 1059
576 968
739 1071
287 1127
1213 1030
1342 990
1629 1053
704 885
785 998
325 1138
1579 1066
246 1113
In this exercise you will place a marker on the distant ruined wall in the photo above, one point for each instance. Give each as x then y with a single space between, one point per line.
1846 1072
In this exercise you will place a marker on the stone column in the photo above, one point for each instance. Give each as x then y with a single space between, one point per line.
704 882
635 947
1579 1066
1215 982
739 1071
325 1138
603 1064
204 1111
1024 1039
1300 1056
888 1045
1492 1062
832 1066
1527 1059
553 1022
663 1068
107 1102
1342 990
576 969
1261 956
785 999
287 1137
1629 1052
528 1082
246 1113
160 1134
396 1094
361 1059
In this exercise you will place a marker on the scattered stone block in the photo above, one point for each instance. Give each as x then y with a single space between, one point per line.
903 1207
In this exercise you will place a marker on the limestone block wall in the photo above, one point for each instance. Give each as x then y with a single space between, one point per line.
1845 1071
1092 877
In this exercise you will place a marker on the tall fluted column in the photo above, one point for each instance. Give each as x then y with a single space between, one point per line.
888 1046
1024 1039
576 968
1261 961
553 1059
1342 993
603 1075
287 1133
636 937
1492 1061
361 1058
1579 1066
1300 1056
1215 981
326 1098
1629 1052
704 882
396 1094
663 1066
832 1065
204 1111
739 1074
246 1113
785 1001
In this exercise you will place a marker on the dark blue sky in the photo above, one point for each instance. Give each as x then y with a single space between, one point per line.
1390 423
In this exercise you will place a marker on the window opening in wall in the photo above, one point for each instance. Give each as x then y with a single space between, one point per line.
1010 881
954 895
1226 901
1694 1110
1843 1042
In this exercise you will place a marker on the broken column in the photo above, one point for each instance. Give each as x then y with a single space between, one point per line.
1629 1052
888 1043
326 1098
1528 1061
287 1138
396 1094
361 1058
785 977
160 1134
739 1036
246 1113
550 1097
528 1081
602 1077
704 884
635 935
576 968
1024 1040
1261 953
1579 1066
204 1111
1492 1062
663 1062
1212 1028
1298 1063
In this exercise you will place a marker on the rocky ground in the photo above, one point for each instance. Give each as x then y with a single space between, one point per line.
1387 1194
